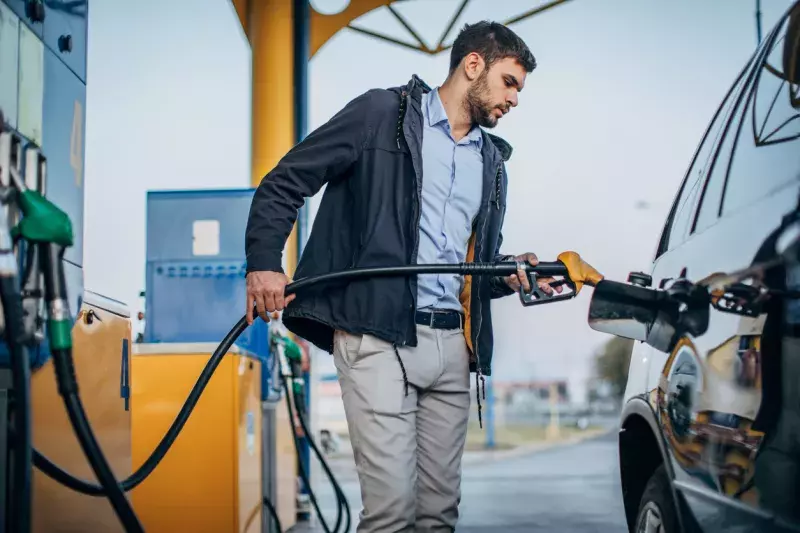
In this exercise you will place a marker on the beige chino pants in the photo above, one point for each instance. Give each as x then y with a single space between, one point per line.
407 448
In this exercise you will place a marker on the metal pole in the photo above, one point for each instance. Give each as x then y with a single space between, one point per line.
758 20
490 442
553 430
302 31
302 22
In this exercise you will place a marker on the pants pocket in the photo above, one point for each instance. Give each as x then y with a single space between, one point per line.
371 368
387 378
346 347
354 348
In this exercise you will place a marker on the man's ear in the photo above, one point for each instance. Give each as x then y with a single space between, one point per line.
473 66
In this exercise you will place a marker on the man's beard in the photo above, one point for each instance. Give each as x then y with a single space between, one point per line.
479 109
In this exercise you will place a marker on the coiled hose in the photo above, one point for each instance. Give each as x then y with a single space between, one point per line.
475 269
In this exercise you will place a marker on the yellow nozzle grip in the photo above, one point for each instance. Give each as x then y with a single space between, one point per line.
580 272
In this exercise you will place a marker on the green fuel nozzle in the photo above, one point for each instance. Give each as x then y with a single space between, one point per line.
46 226
42 221
292 350
294 356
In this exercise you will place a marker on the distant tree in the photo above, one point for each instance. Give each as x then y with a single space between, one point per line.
611 363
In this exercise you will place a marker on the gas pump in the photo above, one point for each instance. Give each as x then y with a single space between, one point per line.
34 234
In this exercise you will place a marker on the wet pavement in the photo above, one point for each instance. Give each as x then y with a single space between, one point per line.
566 489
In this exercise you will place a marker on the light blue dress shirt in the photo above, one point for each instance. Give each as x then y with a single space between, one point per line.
452 186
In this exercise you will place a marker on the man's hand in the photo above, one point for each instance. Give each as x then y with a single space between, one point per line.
514 282
265 290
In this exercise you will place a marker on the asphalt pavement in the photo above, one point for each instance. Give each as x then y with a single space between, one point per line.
568 489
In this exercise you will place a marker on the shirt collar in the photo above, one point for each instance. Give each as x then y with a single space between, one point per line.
435 115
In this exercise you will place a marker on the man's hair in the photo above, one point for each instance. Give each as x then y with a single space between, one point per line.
494 42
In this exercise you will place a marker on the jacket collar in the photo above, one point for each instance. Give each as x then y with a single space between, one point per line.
416 87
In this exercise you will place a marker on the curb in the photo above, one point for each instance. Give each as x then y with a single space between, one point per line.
472 457
475 456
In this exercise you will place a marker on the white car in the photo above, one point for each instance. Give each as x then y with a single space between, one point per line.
710 429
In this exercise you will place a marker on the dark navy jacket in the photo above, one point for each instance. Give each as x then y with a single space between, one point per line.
369 157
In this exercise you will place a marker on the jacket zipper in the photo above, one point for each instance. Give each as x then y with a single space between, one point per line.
417 213
476 341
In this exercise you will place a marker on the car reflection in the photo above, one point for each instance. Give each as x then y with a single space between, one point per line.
731 419
707 411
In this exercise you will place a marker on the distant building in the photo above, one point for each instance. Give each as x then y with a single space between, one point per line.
515 392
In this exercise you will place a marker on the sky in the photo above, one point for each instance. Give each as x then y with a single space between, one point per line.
602 136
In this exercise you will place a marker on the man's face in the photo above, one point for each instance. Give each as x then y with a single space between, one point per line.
494 92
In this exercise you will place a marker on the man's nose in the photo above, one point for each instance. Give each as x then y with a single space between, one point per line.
512 99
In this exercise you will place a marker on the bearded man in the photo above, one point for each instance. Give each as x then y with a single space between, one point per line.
412 177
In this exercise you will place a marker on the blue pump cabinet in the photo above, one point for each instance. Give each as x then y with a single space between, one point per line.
195 273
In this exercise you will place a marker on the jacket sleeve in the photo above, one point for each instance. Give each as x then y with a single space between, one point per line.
301 173
499 287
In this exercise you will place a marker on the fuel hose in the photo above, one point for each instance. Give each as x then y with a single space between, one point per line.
19 505
18 502
59 331
504 268
289 350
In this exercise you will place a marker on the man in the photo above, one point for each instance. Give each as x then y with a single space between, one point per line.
411 178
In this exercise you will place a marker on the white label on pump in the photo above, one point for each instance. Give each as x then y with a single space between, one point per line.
205 237
9 57
76 143
250 433
31 84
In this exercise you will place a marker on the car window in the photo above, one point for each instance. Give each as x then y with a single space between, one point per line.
717 167
684 207
766 155
677 224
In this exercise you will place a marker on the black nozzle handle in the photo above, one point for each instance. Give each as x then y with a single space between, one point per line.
544 269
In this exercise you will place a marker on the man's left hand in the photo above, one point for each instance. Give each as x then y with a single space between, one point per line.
514 282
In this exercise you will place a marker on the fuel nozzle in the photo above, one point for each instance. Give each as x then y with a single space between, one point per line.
575 271
299 391
49 229
55 294
292 363
294 356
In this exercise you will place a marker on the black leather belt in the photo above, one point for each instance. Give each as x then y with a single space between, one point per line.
441 319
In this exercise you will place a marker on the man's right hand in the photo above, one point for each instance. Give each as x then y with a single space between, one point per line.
265 290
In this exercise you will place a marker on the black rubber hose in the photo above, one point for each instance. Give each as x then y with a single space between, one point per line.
20 497
274 514
299 404
85 487
101 468
93 453
340 497
476 269
302 468
346 504
506 268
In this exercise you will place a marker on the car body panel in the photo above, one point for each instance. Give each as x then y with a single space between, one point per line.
725 404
